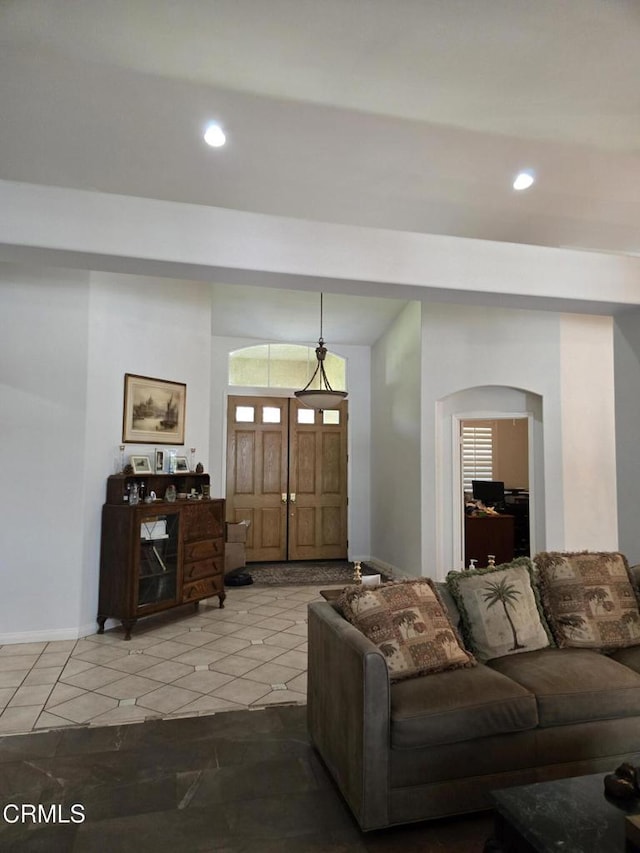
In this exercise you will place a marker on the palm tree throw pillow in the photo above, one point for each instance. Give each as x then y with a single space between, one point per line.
589 599
500 609
409 624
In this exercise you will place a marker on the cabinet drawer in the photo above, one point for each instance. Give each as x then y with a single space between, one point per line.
202 569
202 588
203 549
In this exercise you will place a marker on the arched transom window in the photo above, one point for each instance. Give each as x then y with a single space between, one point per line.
282 366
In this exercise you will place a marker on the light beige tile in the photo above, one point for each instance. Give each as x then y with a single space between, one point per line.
61 646
84 708
49 675
50 721
98 654
201 657
267 610
6 694
16 720
242 691
167 699
203 681
10 663
134 663
37 695
298 630
210 705
281 697
284 640
298 684
235 665
195 638
121 714
13 649
261 653
49 659
130 687
225 628
168 650
92 678
75 666
13 678
275 623
229 644
272 673
249 633
62 693
294 658
168 671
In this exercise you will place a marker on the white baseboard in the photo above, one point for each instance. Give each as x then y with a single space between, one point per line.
48 636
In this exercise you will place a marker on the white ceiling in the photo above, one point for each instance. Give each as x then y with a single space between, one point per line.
403 114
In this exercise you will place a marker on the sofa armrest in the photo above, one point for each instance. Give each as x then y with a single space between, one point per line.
348 708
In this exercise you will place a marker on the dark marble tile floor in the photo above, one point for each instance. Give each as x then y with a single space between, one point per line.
234 782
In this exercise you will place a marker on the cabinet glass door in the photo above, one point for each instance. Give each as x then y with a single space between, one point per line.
158 563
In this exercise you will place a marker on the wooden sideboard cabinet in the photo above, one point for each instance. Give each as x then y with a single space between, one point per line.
159 555
488 534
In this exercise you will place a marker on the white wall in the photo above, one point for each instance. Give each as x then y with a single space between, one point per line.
627 391
359 436
43 388
66 341
396 517
542 353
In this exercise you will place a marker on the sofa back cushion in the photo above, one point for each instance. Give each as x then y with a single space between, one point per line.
409 624
589 599
500 609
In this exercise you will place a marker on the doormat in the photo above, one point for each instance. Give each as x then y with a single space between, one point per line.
306 573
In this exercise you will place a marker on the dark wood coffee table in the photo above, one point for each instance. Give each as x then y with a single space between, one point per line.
568 815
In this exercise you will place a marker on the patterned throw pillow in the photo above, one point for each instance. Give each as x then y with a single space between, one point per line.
500 609
589 599
409 624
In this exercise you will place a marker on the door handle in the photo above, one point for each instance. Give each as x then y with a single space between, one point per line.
292 497
284 497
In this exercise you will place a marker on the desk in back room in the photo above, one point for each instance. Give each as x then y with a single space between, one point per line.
488 534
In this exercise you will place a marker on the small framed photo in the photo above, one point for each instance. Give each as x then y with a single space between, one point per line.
140 464
182 464
159 461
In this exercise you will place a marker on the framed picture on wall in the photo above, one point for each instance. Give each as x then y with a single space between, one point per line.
159 461
154 410
140 464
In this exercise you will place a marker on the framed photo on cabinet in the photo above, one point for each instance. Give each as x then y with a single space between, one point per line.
182 464
141 465
154 410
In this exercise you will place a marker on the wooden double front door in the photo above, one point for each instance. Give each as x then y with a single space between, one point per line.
287 476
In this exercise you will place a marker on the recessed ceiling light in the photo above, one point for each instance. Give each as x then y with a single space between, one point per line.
214 135
523 181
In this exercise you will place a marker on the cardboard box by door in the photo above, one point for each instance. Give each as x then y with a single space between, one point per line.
235 548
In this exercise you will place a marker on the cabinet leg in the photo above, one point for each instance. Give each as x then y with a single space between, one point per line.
128 624
222 597
196 605
101 621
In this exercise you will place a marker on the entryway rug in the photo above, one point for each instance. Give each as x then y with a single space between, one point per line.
308 573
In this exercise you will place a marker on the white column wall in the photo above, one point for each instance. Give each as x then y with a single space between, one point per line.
396 518
627 391
43 388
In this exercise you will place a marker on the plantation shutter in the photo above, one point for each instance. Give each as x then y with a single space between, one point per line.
477 452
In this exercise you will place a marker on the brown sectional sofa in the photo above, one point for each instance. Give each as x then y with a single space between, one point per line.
437 745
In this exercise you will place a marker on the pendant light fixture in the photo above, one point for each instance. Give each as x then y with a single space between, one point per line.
322 396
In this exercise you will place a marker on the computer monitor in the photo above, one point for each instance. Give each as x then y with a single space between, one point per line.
490 492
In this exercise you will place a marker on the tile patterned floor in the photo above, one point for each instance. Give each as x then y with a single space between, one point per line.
251 654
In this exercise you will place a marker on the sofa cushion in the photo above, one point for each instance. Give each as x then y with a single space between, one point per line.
574 685
408 623
500 609
628 657
457 706
589 599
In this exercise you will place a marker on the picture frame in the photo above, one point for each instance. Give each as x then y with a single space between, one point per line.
182 465
153 410
159 461
140 464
